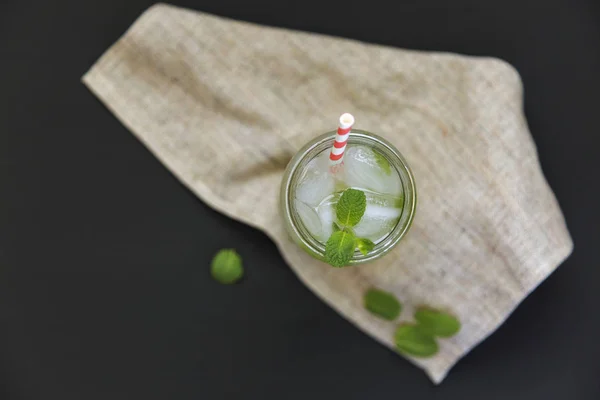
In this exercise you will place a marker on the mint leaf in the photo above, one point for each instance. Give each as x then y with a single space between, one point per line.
436 323
382 304
410 340
364 245
226 267
383 162
351 207
339 249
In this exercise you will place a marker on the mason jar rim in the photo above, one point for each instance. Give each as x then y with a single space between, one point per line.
296 228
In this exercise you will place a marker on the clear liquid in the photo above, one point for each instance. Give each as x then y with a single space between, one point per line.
364 169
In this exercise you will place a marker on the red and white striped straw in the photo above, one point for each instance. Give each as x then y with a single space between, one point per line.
337 151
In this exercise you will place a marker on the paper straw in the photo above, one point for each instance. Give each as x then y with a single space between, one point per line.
341 138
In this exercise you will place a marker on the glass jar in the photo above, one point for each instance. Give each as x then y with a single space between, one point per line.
294 172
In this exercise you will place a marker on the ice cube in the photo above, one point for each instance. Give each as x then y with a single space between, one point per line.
366 169
377 222
326 213
309 218
317 182
384 200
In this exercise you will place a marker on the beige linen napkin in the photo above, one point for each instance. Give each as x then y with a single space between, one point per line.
225 104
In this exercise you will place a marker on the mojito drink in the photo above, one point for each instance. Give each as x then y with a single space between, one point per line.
348 196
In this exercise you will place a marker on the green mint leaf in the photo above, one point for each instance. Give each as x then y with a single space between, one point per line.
226 267
382 304
383 162
339 249
351 207
364 245
410 340
437 323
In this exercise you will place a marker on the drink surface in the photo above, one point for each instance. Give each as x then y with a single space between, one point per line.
364 169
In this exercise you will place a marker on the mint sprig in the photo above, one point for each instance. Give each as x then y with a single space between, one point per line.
416 339
342 243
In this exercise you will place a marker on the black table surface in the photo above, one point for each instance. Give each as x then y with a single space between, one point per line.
104 284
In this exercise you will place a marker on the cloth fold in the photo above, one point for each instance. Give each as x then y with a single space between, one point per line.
225 104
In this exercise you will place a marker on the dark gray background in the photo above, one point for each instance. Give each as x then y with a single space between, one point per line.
104 285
